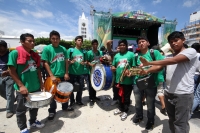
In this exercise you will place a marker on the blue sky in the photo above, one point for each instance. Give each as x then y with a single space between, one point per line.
39 17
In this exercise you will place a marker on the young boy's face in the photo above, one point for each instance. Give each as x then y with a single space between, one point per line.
79 42
176 44
29 43
95 46
55 40
122 47
2 49
143 44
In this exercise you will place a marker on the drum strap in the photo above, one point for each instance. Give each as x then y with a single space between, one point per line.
61 97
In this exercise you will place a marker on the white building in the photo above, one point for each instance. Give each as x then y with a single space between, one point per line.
83 27
12 41
192 29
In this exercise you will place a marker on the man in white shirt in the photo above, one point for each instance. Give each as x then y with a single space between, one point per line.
181 67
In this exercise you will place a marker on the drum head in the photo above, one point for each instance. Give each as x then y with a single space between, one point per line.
65 87
39 96
97 77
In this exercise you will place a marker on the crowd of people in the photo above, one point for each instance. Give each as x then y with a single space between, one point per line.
174 78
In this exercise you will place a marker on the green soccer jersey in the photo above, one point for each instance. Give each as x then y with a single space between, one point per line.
78 56
56 57
119 62
27 73
93 57
157 76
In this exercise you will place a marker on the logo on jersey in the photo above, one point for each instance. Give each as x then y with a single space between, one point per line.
31 66
122 63
59 57
78 58
97 78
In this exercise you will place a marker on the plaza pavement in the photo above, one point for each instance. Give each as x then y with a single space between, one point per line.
99 119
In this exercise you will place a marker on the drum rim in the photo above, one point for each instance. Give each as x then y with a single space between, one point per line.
101 65
51 95
64 82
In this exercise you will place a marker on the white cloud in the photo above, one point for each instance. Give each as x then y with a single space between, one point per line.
190 3
115 5
153 13
38 14
14 24
33 2
156 1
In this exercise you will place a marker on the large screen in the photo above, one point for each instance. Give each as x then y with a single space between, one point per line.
131 42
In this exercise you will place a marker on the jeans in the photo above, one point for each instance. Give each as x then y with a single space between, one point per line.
87 80
196 82
53 105
80 80
196 100
178 108
150 94
21 112
92 92
7 92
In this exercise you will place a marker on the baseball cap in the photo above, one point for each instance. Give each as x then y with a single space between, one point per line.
3 43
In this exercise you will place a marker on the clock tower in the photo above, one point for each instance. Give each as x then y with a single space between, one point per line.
83 27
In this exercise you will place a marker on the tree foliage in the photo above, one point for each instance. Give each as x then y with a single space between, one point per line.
67 44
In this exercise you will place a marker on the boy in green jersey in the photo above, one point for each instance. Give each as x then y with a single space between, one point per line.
55 61
150 93
24 65
77 61
93 58
121 63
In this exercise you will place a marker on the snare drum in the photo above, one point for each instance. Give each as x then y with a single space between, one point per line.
101 77
61 90
64 90
39 99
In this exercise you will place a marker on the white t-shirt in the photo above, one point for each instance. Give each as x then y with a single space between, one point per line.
180 77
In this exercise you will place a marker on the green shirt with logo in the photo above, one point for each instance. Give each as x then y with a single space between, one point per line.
93 57
27 72
56 57
78 55
119 62
157 76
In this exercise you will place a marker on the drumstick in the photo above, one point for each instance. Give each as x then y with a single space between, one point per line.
44 93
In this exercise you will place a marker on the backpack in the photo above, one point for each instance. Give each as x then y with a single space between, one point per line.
72 50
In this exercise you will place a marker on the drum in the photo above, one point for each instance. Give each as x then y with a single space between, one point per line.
39 99
101 77
61 91
64 90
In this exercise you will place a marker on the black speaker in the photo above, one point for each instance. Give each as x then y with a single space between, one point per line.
152 35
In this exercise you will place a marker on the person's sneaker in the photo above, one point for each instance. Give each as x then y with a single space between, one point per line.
97 99
69 109
91 103
149 126
80 103
124 116
51 116
71 103
114 102
37 124
24 131
9 114
136 119
117 112
163 111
